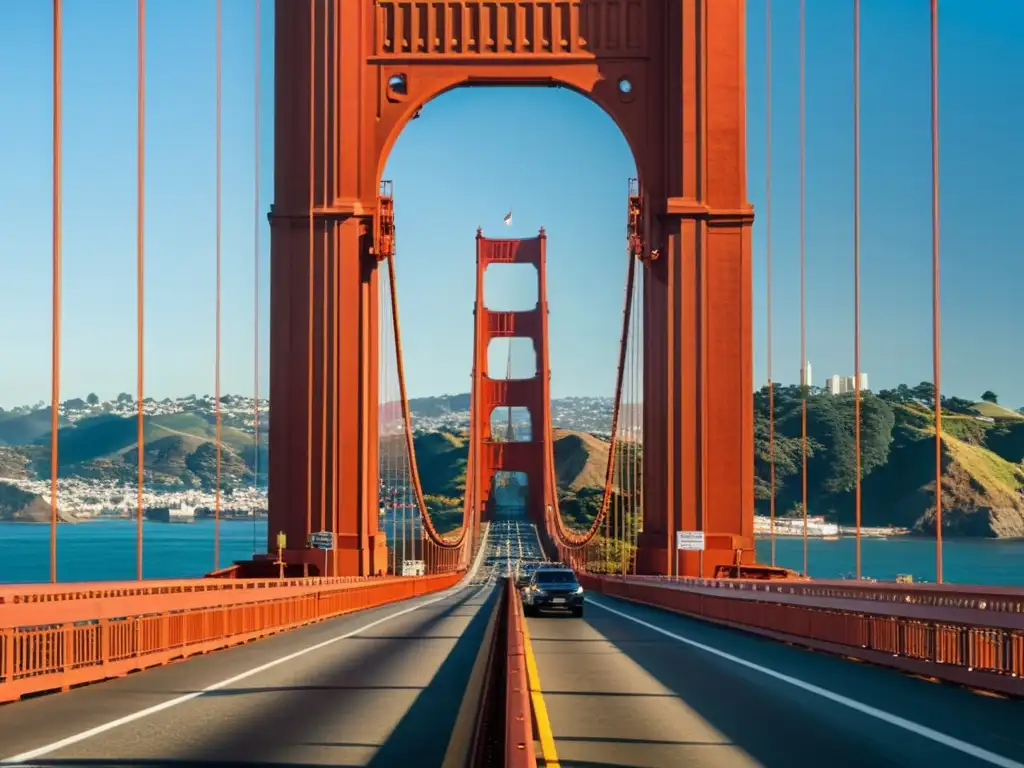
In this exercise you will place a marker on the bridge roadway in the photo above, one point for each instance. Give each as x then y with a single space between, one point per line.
624 686
382 687
630 685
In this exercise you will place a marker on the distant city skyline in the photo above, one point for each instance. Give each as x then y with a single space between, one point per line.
549 155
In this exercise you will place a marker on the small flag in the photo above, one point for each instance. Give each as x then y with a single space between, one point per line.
508 219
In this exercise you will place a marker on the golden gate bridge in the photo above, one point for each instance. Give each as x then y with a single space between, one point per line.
692 640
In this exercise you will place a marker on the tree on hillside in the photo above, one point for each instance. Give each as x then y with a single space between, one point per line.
902 394
124 397
990 397
831 466
957 405
92 399
925 391
787 453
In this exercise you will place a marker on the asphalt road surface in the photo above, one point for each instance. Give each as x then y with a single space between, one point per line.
377 688
629 685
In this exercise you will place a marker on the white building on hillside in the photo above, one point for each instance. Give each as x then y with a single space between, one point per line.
806 378
840 385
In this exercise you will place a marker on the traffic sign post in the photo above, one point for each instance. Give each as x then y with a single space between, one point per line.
692 541
322 540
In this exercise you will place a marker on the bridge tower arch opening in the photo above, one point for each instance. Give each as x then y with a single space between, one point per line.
509 495
351 73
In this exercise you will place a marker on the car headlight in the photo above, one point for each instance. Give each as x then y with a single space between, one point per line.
579 591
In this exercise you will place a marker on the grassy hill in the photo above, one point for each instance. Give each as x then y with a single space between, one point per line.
178 449
25 429
982 475
997 412
981 491
581 460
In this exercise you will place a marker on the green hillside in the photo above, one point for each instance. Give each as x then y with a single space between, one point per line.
996 411
179 449
25 429
982 474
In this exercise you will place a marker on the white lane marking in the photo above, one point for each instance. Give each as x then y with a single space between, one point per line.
47 749
886 717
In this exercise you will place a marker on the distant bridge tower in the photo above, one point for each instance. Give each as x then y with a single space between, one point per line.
491 455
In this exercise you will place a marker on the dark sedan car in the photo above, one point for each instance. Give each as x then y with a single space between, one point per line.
553 587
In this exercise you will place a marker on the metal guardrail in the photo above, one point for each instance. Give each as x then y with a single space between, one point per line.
519 745
970 646
970 597
15 594
55 645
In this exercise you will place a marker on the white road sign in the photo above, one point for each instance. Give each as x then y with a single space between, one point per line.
690 541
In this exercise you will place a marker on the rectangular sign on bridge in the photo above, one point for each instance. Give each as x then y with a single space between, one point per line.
322 540
690 541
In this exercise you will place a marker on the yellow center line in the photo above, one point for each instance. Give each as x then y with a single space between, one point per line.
540 712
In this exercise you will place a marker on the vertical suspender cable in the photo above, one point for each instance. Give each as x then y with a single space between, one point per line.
216 386
641 292
631 467
383 461
638 393
56 326
311 267
856 274
803 271
768 262
140 257
936 295
324 283
256 272
336 356
627 492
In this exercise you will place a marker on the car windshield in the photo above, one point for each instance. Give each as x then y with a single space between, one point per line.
555 577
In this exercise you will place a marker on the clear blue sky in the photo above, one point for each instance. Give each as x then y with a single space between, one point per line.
550 156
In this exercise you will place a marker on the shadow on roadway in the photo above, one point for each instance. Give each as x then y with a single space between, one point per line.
281 719
782 726
422 736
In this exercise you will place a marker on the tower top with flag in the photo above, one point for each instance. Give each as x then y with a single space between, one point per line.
508 219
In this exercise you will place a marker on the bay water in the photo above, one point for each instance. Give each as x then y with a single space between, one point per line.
104 550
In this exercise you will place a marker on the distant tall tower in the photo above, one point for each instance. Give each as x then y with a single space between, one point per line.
806 379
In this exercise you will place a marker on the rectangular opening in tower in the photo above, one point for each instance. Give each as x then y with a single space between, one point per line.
511 358
511 287
510 492
511 424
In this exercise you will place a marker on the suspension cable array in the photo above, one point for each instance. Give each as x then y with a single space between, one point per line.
807 447
414 539
609 544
